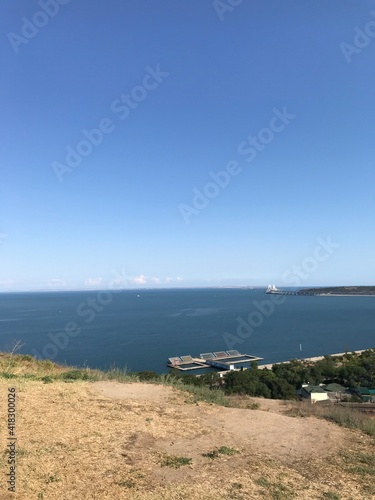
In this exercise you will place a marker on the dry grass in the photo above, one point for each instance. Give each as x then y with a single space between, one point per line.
344 416
74 442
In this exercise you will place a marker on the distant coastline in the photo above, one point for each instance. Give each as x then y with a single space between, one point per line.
314 359
339 291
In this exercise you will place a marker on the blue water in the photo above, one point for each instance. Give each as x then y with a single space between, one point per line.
141 329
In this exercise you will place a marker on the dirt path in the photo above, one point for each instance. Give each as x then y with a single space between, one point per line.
135 392
264 431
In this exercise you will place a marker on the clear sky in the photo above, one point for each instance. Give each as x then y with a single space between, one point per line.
230 142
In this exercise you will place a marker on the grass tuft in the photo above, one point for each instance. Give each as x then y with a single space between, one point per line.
331 495
129 483
223 450
175 462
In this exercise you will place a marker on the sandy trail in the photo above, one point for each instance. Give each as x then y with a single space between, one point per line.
264 431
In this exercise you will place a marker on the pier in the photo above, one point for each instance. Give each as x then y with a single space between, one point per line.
224 360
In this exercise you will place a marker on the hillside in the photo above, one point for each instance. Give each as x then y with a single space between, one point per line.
111 437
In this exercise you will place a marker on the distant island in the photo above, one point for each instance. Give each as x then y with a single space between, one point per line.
339 290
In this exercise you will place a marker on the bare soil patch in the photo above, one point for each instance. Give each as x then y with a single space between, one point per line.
109 440
267 433
135 391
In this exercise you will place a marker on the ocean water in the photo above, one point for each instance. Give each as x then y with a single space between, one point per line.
140 329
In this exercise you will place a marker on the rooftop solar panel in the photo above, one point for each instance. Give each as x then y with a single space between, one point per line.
186 359
175 360
233 353
221 354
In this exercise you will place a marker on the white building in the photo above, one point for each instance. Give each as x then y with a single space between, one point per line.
313 393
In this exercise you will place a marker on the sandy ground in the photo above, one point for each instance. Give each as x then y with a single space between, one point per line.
136 392
109 440
264 431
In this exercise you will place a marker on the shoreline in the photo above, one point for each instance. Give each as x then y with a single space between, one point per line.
344 295
313 359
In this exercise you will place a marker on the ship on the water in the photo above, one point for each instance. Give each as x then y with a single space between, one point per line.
272 289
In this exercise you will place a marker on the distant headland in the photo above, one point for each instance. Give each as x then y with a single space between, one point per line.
333 291
339 290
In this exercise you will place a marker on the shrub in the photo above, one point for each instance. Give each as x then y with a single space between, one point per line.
77 375
147 375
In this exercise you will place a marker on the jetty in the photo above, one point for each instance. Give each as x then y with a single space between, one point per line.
224 360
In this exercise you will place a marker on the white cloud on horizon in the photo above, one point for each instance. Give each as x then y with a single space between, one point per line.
56 282
140 280
154 280
123 281
117 283
93 282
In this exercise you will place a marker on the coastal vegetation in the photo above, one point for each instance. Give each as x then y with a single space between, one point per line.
352 370
349 370
340 290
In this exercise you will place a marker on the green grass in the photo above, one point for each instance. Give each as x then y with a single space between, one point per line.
7 375
175 462
224 450
198 393
362 464
331 495
277 491
47 379
13 366
84 374
263 482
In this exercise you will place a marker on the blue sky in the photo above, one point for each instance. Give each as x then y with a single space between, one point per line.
178 91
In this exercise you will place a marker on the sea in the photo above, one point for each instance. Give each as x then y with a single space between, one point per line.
140 329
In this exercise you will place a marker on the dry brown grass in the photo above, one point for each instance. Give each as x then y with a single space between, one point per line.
76 440
341 415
